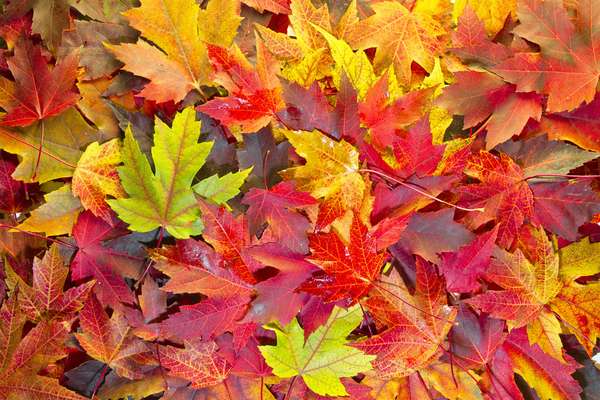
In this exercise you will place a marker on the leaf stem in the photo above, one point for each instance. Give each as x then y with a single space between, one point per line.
565 176
289 391
421 192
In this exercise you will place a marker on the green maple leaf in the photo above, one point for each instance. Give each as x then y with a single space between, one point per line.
324 358
163 198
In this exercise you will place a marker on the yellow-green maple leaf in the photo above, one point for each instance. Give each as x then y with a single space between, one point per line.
324 358
163 198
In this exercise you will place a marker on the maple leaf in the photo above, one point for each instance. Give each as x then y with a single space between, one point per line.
199 363
12 192
331 171
110 340
463 267
56 216
471 42
182 65
195 268
417 324
567 68
478 95
475 339
293 271
503 192
103 263
64 137
45 300
22 358
96 177
276 207
252 101
400 36
324 358
528 284
163 198
348 270
206 319
229 236
492 13
37 93
548 377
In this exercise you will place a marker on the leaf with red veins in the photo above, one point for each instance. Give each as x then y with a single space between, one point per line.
550 378
566 69
464 267
293 271
415 153
96 258
348 270
249 362
502 192
428 234
383 118
229 236
198 363
528 284
474 339
206 319
110 340
194 267
45 300
276 207
38 92
251 103
11 328
417 323
562 207
471 43
306 109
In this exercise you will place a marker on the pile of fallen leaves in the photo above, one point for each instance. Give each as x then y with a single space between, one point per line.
299 199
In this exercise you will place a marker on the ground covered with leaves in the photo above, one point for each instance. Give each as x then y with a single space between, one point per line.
299 199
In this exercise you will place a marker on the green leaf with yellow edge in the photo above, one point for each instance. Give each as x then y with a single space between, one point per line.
220 190
56 216
64 137
579 259
163 198
492 13
331 170
324 358
357 66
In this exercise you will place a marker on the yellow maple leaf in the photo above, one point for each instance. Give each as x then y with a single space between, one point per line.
493 13
173 26
96 177
331 171
400 37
